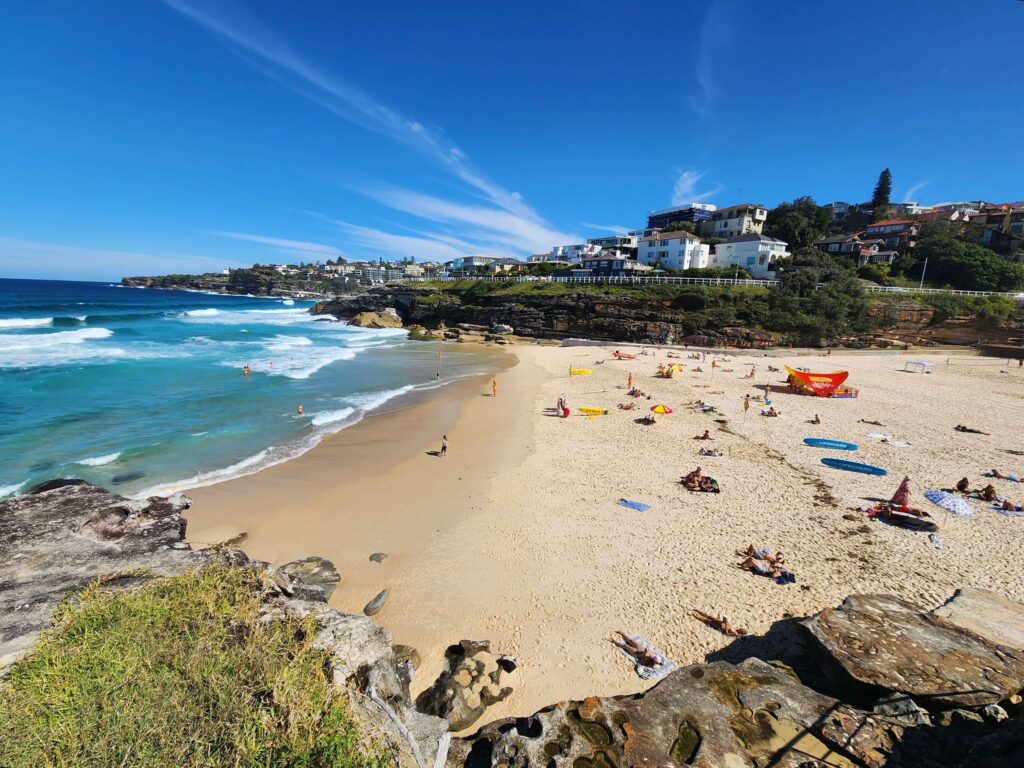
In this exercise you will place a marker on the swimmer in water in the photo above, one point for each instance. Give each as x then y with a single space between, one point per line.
298 409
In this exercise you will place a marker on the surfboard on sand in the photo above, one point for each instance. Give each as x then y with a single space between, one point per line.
835 445
579 371
594 411
853 466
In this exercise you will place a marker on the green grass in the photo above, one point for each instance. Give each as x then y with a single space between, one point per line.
177 673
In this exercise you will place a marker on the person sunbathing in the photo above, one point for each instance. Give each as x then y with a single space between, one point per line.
988 493
698 369
816 419
707 485
773 369
637 650
627 406
971 430
872 423
723 625
764 553
750 375
770 412
1009 506
705 436
692 480
963 485
710 452
1000 476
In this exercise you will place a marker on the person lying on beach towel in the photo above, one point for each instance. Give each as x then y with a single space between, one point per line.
815 420
699 483
773 369
1000 476
769 569
771 412
648 661
1008 508
971 430
627 406
723 625
710 452
705 436
872 423
698 369
762 553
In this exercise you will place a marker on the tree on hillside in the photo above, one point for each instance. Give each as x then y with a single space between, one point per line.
880 201
681 226
966 266
820 299
798 223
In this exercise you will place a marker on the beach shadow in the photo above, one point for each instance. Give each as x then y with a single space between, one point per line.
1012 452
433 453
875 499
645 420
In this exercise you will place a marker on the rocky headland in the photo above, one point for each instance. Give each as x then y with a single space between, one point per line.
874 682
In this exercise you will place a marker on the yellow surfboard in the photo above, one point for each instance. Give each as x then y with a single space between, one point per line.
594 411
579 371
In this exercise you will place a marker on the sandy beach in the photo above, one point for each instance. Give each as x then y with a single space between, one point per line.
516 536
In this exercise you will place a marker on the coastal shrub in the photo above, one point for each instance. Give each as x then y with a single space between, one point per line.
177 673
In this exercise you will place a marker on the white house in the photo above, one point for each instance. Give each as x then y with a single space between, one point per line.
673 250
734 221
574 254
755 253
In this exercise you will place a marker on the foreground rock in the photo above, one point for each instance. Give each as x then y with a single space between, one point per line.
711 715
60 536
988 614
471 682
875 644
314 572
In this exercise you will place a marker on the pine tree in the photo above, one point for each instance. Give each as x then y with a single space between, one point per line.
880 202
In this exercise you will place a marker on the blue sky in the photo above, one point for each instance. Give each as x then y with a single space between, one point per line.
152 136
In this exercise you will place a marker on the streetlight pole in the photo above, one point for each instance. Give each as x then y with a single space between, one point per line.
923 270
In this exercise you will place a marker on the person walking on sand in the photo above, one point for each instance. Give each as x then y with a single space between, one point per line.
629 381
298 409
494 387
444 445
746 404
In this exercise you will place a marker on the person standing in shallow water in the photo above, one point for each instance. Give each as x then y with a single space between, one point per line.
298 409
444 445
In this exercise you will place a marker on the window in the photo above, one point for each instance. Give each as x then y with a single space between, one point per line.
750 261
761 260
833 246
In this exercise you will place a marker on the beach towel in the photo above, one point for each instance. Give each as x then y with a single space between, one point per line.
648 673
1018 512
639 506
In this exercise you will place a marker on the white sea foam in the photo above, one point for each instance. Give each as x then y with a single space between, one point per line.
373 400
288 302
33 350
202 313
26 322
99 461
244 467
321 418
10 490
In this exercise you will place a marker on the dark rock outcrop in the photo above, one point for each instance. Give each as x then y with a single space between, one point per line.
877 643
470 683
590 315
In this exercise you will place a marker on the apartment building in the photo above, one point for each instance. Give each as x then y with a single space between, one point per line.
734 221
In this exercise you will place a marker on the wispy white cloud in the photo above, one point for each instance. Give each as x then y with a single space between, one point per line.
614 229
293 246
505 214
685 190
910 196
498 226
34 259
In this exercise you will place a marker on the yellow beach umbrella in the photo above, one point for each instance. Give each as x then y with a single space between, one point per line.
660 409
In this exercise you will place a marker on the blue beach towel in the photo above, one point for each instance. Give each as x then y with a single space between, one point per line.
639 506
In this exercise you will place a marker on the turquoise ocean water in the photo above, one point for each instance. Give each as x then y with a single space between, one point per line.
142 390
